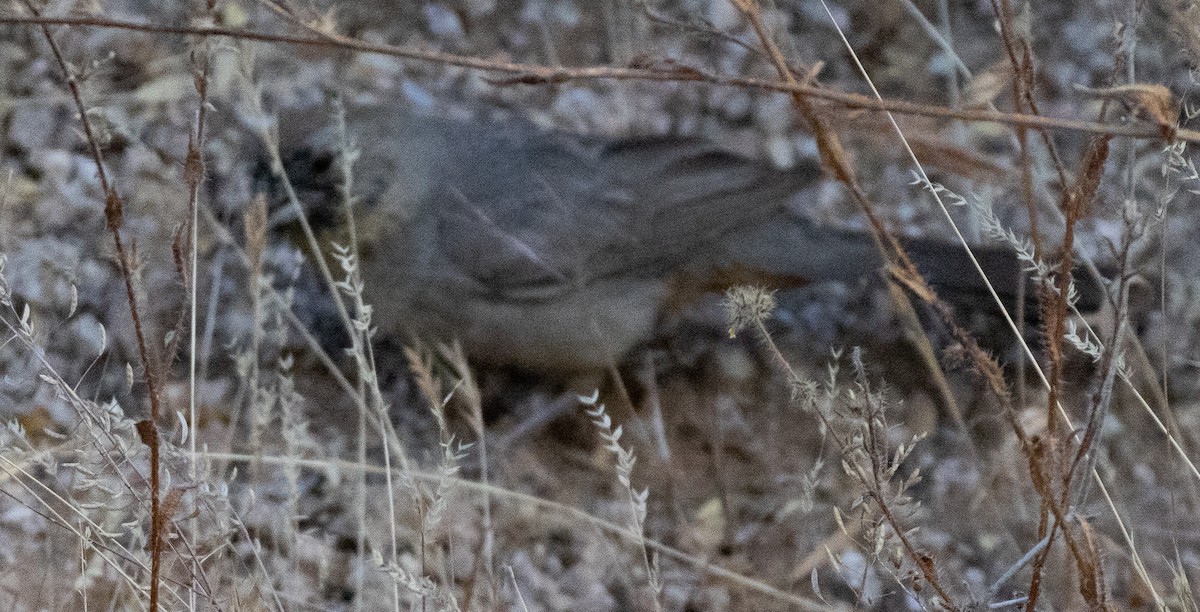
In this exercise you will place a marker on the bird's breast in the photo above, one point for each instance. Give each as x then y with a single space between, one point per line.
589 328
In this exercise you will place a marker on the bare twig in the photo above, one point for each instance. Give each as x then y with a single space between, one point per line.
531 74
113 212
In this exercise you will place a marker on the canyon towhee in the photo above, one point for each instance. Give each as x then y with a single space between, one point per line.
556 251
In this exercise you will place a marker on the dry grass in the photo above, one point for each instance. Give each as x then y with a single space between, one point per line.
771 470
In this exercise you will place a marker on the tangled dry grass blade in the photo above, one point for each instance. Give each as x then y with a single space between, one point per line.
264 349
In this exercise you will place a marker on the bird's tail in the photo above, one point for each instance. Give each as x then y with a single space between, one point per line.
807 252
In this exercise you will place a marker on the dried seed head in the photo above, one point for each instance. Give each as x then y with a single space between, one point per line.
747 305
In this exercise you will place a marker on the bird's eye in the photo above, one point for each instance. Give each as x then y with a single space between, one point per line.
321 164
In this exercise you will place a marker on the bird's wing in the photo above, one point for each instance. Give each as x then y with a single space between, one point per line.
531 214
688 197
520 213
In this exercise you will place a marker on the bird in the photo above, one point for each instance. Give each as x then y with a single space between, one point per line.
554 251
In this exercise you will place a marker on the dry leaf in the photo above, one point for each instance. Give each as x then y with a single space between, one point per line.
986 85
1145 100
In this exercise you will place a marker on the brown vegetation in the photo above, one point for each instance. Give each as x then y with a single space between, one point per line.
182 437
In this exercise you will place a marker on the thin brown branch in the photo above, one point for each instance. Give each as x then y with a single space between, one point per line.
833 155
113 204
529 74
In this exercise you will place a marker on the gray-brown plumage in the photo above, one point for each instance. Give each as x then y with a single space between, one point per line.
556 251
